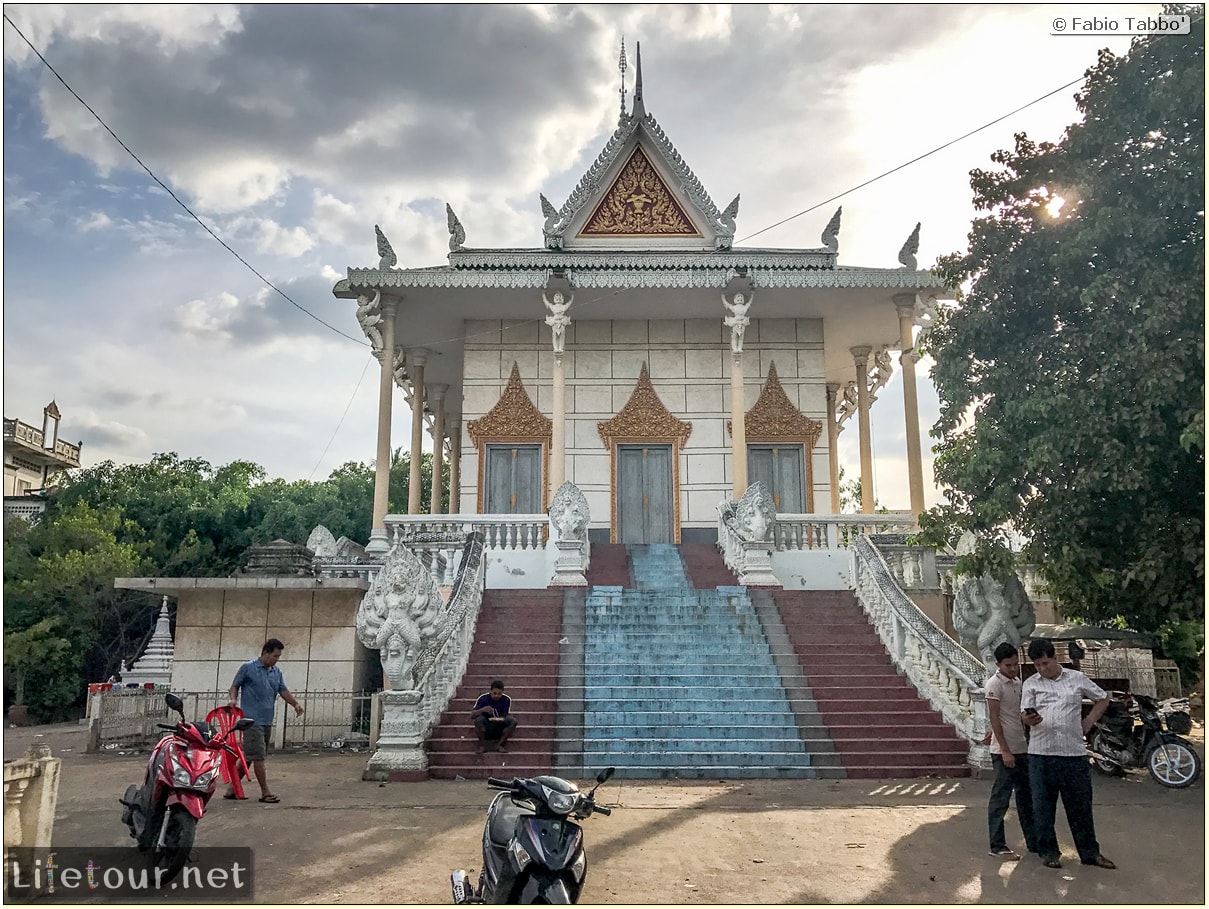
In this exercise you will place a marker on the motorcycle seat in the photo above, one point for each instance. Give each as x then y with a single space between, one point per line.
502 821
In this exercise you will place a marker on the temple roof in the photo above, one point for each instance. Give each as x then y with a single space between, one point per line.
640 142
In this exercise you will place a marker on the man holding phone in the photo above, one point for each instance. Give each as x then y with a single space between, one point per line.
1051 705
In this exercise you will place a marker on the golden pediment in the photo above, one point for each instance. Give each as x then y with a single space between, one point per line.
644 418
639 204
773 418
513 418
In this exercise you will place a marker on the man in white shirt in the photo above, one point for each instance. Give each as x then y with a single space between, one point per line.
1009 755
1051 705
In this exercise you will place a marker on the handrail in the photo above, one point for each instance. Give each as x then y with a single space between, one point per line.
943 671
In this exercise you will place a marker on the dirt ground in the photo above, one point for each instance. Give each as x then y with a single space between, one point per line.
335 839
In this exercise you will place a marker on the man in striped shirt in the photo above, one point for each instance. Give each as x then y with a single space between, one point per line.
1051 704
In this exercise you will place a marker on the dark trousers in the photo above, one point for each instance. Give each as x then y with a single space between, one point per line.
1070 778
1009 780
490 729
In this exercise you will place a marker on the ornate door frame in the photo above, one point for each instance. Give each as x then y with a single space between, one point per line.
644 420
514 420
773 418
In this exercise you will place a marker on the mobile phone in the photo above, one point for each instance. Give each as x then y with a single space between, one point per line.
1031 711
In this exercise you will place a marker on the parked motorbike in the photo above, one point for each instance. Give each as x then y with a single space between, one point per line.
181 776
1124 739
532 850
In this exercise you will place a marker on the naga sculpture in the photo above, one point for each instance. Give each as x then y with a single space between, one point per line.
569 512
400 615
755 513
987 612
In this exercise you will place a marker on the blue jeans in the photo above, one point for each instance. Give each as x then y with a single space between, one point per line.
1070 778
1007 780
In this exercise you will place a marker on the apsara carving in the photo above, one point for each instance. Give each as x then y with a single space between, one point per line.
639 204
513 418
645 417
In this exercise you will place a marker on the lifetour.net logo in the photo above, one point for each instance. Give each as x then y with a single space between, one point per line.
81 874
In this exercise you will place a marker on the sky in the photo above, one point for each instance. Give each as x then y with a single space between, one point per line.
291 130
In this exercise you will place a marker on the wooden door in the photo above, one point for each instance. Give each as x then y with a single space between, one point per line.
513 481
644 494
779 468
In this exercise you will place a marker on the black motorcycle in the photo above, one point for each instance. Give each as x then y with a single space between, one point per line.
532 851
1125 739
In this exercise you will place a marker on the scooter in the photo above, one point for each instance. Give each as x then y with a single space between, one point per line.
181 776
1117 743
532 851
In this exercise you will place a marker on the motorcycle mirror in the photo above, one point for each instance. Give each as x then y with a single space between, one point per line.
246 723
605 775
175 703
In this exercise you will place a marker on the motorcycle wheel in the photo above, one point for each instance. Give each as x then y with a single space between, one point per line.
1174 764
178 843
1108 768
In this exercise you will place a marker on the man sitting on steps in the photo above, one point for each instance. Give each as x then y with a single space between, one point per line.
491 719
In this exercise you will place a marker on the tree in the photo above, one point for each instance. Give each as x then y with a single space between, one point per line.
1071 374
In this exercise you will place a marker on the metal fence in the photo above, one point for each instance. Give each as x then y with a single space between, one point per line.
127 718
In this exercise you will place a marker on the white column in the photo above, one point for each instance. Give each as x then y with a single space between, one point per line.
418 357
860 356
558 320
736 305
438 444
833 446
455 467
386 384
905 304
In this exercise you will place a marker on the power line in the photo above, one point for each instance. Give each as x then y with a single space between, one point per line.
914 160
174 196
347 407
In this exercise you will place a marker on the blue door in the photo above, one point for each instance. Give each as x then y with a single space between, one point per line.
644 494
512 484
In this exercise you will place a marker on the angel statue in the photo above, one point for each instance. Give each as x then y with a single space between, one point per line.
369 314
737 321
558 320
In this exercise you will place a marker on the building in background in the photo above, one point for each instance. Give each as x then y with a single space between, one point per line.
31 458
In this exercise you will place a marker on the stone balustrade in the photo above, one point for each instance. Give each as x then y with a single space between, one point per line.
941 669
31 794
404 719
833 531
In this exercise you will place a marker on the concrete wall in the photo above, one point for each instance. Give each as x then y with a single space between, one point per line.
689 365
223 622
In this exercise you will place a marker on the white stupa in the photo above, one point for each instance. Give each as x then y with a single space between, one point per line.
155 665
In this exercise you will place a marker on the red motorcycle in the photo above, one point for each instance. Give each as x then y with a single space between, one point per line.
181 777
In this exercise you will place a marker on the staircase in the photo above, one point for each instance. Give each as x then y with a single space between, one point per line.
680 683
517 640
673 672
880 726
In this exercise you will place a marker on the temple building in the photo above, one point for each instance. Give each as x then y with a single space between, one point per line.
31 457
641 355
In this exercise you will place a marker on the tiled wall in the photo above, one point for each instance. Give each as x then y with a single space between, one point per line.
689 365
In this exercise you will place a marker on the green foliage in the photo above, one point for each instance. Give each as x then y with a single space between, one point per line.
1071 375
170 517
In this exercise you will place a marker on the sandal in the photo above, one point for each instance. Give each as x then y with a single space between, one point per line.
270 799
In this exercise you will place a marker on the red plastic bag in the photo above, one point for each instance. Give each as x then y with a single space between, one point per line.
234 766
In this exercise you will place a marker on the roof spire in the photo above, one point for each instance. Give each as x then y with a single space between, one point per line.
639 107
622 66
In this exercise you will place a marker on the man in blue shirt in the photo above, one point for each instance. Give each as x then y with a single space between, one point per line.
491 719
257 684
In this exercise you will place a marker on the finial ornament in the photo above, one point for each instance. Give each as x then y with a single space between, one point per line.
622 66
639 106
731 213
906 255
831 233
389 258
457 235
